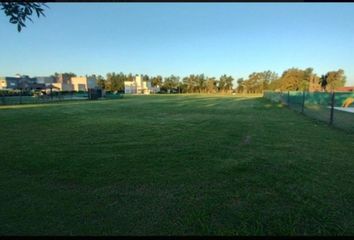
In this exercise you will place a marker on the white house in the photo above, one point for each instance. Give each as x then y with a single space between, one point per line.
138 86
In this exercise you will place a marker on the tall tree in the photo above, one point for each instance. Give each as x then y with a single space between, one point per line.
101 82
240 85
201 83
171 82
335 79
115 82
211 85
191 83
145 77
156 81
225 83
295 79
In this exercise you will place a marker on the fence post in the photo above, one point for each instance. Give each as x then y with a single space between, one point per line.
332 109
303 102
21 96
288 98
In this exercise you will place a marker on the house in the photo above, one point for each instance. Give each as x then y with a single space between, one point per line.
18 82
83 83
61 83
345 89
63 86
45 80
9 82
138 86
75 83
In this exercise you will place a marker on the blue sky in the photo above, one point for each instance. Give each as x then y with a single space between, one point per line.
181 38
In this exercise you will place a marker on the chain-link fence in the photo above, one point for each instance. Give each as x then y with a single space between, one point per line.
17 97
335 108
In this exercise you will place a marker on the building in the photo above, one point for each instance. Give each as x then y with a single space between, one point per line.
9 83
60 83
63 78
18 82
63 86
138 86
345 89
45 80
83 83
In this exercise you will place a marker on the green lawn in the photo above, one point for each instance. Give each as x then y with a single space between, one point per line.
173 165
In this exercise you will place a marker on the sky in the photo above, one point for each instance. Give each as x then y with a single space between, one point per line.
181 39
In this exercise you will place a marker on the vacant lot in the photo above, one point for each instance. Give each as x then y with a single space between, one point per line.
180 165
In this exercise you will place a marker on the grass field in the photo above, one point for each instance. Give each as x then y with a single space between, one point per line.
173 165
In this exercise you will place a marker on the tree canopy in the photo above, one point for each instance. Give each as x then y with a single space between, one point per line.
19 12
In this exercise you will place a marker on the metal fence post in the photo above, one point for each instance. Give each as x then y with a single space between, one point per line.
21 96
303 102
332 109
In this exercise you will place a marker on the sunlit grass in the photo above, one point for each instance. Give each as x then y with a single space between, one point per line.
173 164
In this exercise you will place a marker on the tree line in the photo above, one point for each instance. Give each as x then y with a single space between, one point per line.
292 79
194 83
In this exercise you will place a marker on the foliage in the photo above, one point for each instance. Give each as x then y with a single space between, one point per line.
101 82
257 82
156 81
170 83
115 81
333 79
19 12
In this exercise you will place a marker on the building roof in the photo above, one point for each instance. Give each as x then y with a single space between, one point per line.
346 89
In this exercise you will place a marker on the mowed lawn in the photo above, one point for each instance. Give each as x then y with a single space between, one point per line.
173 165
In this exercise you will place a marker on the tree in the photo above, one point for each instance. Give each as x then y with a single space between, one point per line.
19 12
267 78
225 83
156 81
295 79
323 82
170 82
335 79
191 83
101 82
145 78
240 85
257 82
115 82
274 85
211 85
201 83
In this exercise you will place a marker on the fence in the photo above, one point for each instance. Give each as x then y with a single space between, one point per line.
35 99
55 97
323 106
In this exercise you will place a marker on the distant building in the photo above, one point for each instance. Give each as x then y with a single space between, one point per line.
60 83
345 89
83 83
75 83
63 86
45 80
18 82
138 86
61 78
